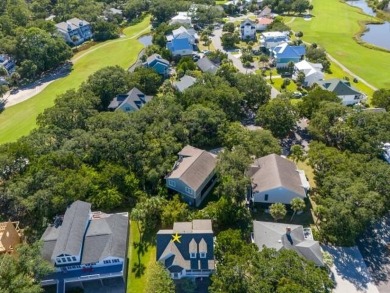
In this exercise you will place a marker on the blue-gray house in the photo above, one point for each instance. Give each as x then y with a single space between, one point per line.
187 250
159 64
85 246
284 54
130 102
193 174
180 47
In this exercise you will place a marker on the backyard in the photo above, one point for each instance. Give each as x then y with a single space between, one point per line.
333 26
19 120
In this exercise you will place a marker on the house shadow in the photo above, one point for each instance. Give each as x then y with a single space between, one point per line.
349 265
374 247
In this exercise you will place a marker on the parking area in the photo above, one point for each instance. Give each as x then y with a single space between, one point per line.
349 271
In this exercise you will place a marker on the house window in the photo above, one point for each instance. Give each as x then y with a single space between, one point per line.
193 255
265 197
203 255
69 259
189 190
73 258
171 183
63 259
58 260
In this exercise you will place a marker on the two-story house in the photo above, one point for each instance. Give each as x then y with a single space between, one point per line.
84 245
8 64
130 102
283 54
193 174
182 41
270 40
75 31
187 250
248 30
312 71
343 89
158 64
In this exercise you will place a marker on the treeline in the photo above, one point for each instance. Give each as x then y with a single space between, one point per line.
111 159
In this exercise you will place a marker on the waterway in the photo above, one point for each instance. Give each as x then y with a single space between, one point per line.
376 34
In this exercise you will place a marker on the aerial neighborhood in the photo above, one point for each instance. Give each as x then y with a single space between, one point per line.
194 146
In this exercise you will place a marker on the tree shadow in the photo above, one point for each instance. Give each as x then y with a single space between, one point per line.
138 269
350 265
373 245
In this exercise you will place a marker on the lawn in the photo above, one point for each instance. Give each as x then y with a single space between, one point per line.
277 83
136 277
333 27
19 120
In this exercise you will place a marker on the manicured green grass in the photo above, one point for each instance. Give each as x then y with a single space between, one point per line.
20 119
333 27
139 260
277 83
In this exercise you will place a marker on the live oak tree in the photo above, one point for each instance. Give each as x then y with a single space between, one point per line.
381 99
279 116
22 271
312 101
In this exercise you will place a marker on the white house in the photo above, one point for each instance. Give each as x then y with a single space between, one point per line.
270 40
181 18
313 72
75 31
248 29
263 22
343 89
275 179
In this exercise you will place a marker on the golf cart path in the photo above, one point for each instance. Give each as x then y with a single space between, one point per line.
37 87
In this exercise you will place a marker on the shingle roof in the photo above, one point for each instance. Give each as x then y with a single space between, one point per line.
194 166
285 50
195 237
308 68
273 235
179 44
273 171
73 23
104 237
205 65
73 227
184 83
134 97
156 57
338 86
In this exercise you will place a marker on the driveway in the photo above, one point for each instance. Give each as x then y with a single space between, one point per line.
349 271
216 40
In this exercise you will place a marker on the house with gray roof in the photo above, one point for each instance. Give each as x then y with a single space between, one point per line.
276 179
158 64
285 236
206 65
86 245
193 175
343 89
75 31
187 250
130 102
184 83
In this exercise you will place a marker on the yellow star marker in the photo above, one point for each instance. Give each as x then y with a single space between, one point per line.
176 237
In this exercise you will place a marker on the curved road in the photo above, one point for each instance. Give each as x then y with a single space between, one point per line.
216 40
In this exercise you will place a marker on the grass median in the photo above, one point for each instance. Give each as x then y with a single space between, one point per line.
19 120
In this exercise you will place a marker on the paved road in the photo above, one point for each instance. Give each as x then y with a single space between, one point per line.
216 40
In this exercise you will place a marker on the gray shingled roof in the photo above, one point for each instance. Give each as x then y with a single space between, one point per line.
273 235
338 86
205 65
106 237
184 83
194 167
273 171
70 239
153 57
134 97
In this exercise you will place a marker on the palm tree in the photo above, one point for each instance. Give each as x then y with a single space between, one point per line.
297 205
278 211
